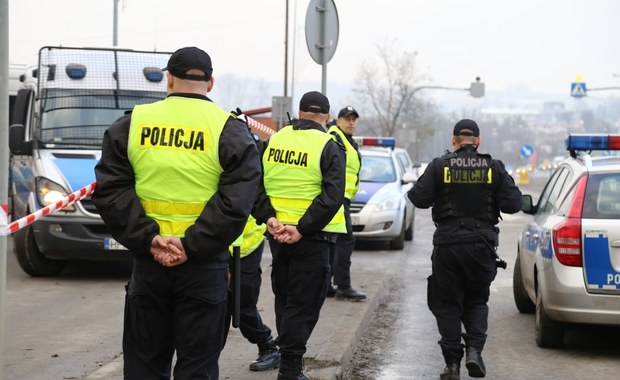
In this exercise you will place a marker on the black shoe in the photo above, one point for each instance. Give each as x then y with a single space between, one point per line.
266 360
451 372
292 369
350 294
474 363
331 292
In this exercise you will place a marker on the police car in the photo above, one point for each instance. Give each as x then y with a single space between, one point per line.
381 209
567 269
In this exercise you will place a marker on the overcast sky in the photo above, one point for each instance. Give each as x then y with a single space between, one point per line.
536 45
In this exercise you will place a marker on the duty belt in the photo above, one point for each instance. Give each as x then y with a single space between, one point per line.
467 223
474 224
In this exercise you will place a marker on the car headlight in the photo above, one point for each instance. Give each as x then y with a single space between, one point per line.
388 204
49 192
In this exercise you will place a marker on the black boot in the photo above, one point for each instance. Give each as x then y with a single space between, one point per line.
474 363
291 368
451 372
268 357
350 294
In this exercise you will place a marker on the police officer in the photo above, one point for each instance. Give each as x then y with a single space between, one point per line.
250 322
467 190
304 170
175 185
343 129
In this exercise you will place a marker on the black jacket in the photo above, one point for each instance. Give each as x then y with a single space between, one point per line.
220 222
426 191
327 203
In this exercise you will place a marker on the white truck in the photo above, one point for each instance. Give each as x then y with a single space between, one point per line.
60 113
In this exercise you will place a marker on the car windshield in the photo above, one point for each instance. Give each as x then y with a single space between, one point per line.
72 119
377 169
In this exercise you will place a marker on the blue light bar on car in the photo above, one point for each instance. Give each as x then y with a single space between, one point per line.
595 141
388 142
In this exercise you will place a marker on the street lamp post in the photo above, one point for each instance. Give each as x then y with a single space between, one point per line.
115 31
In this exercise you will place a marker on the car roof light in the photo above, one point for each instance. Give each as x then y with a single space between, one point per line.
388 142
75 71
153 74
596 141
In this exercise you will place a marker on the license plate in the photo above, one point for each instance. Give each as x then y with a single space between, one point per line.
355 220
110 244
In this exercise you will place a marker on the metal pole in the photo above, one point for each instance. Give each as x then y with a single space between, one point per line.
323 26
286 52
115 32
4 160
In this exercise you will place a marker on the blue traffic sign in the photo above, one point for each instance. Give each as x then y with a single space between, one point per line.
578 89
526 151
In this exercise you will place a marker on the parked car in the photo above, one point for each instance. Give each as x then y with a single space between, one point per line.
381 209
405 160
567 269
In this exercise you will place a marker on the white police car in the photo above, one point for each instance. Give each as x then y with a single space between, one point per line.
381 209
568 261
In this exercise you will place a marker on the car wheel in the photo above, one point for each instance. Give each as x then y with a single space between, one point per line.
522 299
548 333
30 259
399 242
409 231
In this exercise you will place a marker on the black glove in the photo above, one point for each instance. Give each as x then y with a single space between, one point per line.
240 115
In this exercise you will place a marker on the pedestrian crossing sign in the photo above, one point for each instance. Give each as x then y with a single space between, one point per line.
578 89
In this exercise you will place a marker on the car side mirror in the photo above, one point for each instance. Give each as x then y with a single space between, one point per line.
409 177
527 204
17 145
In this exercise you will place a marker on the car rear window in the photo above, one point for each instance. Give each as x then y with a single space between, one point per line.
602 197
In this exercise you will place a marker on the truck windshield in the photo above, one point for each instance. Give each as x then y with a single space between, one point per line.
77 119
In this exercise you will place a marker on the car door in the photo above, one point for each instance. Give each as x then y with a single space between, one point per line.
536 235
601 234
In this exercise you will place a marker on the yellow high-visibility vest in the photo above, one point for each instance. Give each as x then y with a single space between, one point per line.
292 174
252 236
353 164
173 149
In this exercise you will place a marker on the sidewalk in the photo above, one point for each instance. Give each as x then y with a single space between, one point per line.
330 347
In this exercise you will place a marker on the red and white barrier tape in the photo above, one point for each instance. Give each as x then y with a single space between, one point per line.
64 202
86 191
259 126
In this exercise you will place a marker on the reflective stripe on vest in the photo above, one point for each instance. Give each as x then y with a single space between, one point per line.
292 174
353 164
173 149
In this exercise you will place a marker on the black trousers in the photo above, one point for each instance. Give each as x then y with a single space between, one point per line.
458 294
250 322
343 249
182 308
299 279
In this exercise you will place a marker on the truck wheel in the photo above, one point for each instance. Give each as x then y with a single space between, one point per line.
399 242
30 259
522 300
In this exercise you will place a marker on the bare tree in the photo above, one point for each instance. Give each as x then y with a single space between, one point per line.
388 87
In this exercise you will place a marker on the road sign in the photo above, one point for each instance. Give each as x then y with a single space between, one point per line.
322 30
526 151
578 89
